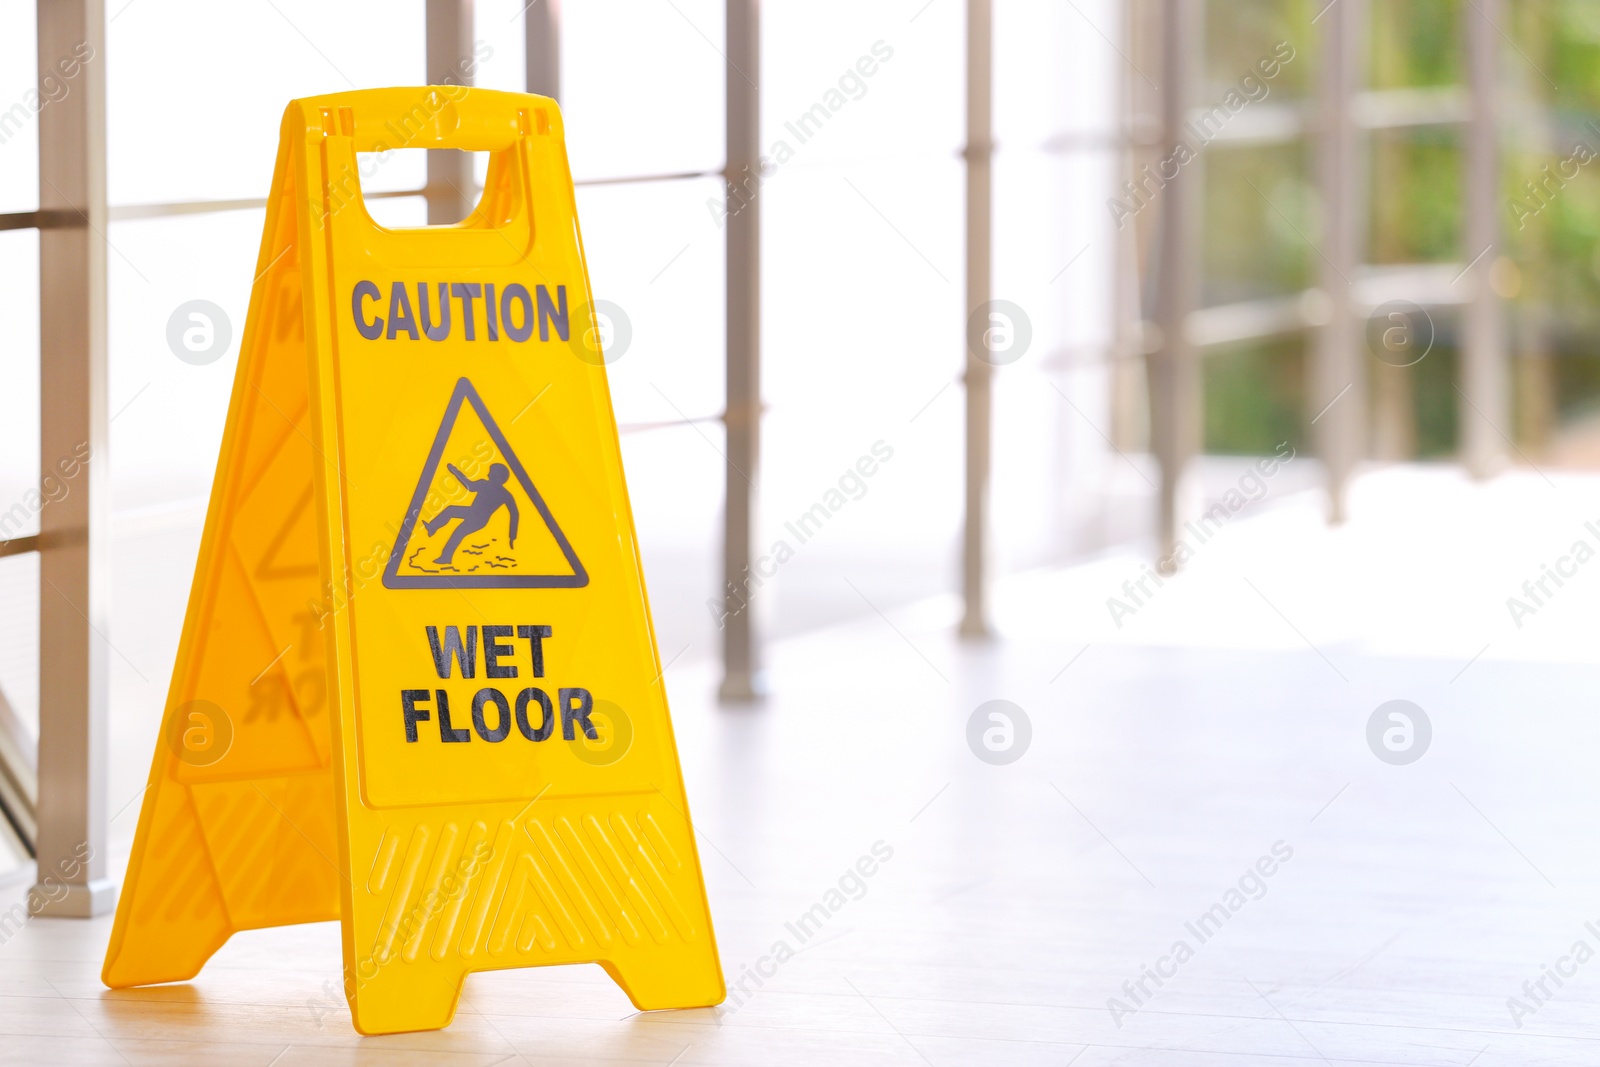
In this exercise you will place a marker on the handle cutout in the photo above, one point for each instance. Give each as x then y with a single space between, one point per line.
456 175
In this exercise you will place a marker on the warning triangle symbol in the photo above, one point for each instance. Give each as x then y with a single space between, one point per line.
475 520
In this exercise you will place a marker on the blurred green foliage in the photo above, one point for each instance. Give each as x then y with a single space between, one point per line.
1262 241
1259 212
1240 33
1414 193
1578 384
1555 237
1415 44
1255 396
1436 401
1563 38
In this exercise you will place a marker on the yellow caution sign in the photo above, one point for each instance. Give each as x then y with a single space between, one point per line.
418 689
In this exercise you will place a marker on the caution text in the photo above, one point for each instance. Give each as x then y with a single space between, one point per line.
441 310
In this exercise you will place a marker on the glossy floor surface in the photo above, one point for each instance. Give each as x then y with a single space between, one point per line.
1200 856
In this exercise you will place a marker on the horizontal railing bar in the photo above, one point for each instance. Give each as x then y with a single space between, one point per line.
676 176
18 545
26 220
125 212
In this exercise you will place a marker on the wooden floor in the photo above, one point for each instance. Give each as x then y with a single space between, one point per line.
1225 721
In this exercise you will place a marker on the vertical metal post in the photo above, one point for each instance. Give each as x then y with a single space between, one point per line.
541 27
74 614
1338 393
449 48
1486 417
741 659
1393 416
1129 403
1174 373
979 157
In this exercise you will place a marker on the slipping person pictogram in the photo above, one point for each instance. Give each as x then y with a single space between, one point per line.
430 553
490 496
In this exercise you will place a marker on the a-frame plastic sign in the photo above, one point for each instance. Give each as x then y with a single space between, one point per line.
418 689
